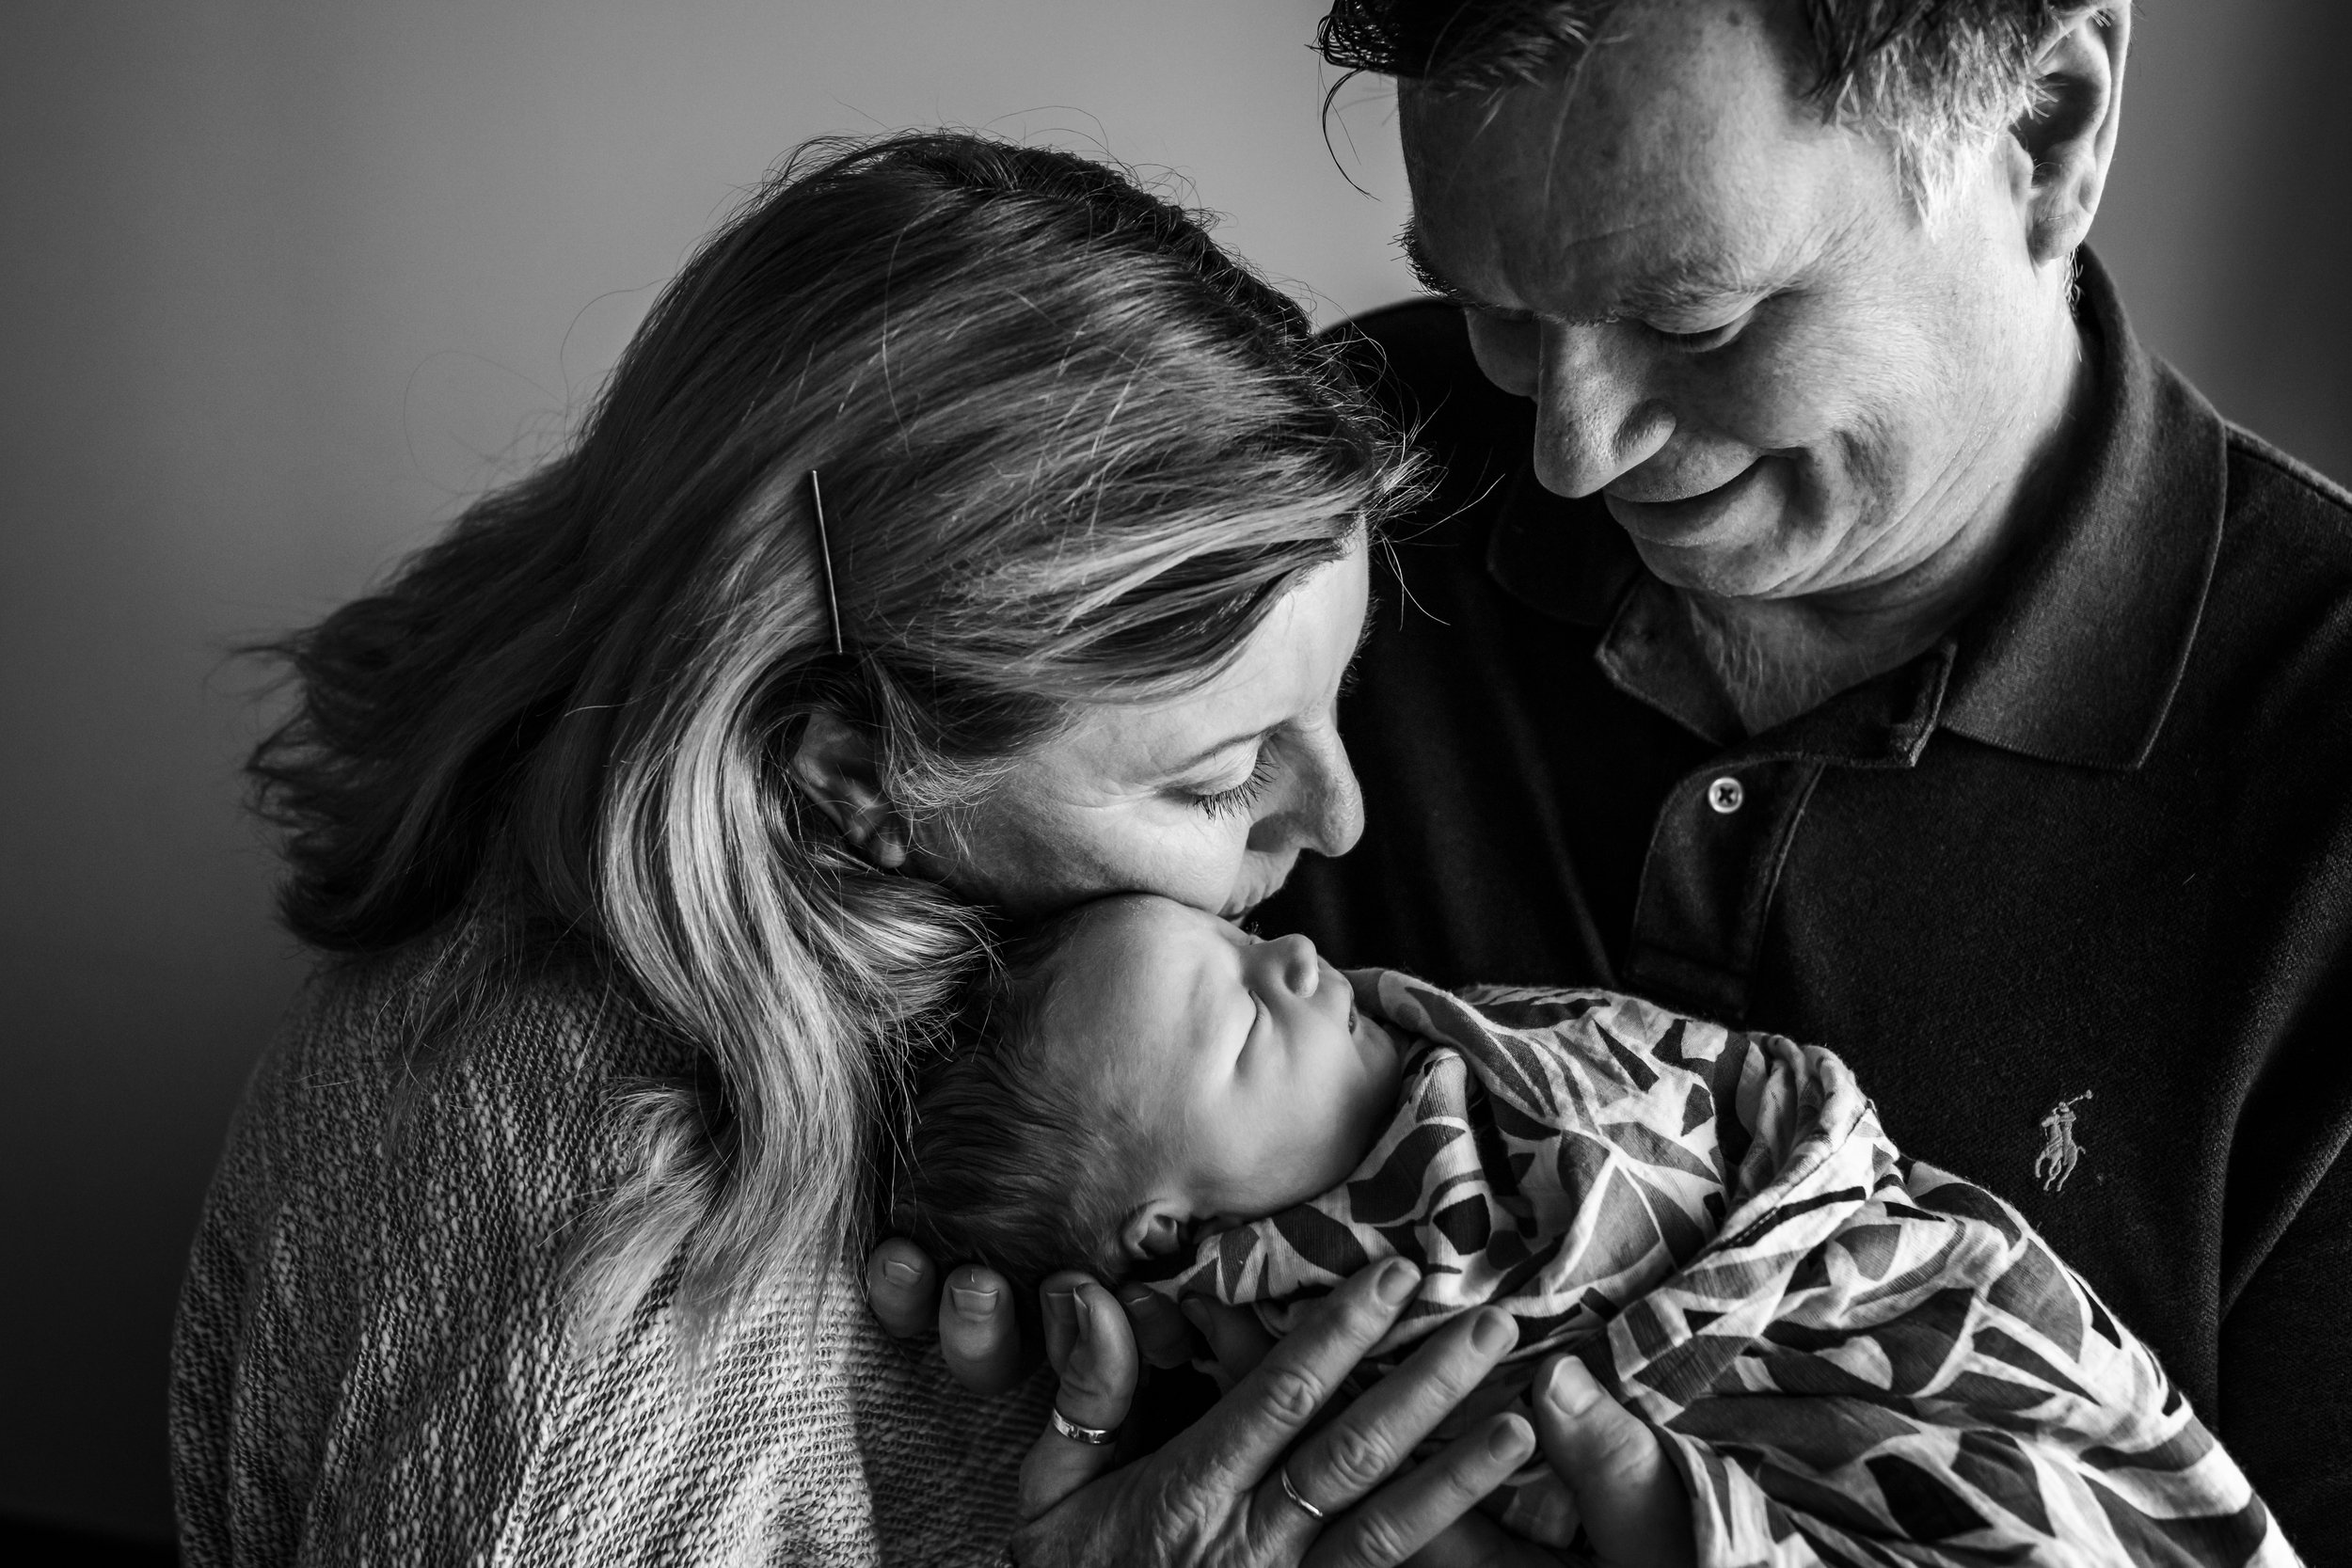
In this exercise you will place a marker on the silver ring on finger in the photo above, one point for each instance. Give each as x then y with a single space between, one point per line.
1093 1437
1290 1490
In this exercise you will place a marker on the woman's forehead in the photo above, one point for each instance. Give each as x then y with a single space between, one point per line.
1286 673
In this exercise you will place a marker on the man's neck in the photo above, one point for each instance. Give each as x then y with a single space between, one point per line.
1775 659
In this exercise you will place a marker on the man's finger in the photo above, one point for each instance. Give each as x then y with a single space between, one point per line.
902 1286
979 1334
1410 1512
1237 1442
1631 1501
1374 1437
1097 1388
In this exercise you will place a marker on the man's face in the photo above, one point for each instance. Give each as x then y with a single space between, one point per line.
1735 326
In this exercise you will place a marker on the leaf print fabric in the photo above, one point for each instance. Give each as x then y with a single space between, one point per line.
1853 1358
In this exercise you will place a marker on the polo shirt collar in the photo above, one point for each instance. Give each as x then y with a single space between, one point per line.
2081 641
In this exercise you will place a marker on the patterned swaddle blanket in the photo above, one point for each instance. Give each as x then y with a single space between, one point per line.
1852 1357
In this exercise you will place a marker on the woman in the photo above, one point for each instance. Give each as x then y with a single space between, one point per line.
962 528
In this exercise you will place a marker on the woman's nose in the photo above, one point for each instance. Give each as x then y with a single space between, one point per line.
1329 807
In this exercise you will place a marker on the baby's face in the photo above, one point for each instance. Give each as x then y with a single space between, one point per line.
1246 1061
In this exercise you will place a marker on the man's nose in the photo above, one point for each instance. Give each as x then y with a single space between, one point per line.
1597 416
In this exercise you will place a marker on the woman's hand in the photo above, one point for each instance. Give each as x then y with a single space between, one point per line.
978 1336
1216 1492
1635 1509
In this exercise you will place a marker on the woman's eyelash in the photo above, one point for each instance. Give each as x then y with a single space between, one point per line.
1228 802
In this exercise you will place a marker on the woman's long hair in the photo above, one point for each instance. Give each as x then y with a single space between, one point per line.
1071 452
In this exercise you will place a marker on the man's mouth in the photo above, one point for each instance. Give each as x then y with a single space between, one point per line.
1683 519
1634 490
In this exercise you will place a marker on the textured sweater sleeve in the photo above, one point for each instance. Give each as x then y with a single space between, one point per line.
374 1364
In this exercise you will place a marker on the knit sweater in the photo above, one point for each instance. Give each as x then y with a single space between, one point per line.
372 1362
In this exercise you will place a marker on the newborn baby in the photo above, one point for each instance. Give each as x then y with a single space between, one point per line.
1852 1357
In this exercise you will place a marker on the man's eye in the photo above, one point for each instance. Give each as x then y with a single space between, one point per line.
1703 338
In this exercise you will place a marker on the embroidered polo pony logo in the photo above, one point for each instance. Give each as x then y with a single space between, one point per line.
2059 1153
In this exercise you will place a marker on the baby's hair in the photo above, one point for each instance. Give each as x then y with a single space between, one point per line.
1011 1161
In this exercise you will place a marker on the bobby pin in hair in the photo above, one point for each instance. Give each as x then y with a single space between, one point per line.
824 553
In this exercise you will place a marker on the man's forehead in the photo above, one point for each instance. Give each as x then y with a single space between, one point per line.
1676 158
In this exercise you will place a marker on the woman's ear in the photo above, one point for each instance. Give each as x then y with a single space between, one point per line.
1156 1230
833 767
2069 130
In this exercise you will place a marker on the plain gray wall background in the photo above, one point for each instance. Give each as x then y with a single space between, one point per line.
283 283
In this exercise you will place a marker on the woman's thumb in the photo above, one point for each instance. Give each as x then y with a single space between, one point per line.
1095 1355
1627 1491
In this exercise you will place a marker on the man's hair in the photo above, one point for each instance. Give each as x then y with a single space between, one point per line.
1015 1158
1934 75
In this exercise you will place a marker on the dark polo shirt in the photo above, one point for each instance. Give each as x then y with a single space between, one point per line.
2094 851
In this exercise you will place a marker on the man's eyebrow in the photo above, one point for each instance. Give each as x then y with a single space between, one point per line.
1682 286
1425 272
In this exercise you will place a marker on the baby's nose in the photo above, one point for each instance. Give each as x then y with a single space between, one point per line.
1299 971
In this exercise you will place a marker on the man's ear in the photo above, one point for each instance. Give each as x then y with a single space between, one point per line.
1156 1230
2068 132
832 765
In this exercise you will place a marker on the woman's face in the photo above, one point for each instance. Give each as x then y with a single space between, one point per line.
1207 798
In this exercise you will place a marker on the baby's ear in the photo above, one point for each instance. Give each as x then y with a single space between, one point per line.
1156 1230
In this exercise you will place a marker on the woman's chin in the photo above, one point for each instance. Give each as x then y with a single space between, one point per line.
1262 877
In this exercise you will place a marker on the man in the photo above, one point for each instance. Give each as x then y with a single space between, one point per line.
1832 620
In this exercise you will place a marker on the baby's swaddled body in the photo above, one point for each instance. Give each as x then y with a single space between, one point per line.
1854 1357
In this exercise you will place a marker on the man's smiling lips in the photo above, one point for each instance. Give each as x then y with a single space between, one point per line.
1670 518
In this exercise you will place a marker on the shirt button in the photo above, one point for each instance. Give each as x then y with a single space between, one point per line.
1726 795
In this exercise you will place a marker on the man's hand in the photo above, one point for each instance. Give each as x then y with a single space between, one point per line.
1216 1492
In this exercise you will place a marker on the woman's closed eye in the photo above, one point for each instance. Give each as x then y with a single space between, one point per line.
1241 797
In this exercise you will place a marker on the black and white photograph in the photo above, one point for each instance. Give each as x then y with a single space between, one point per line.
1218 783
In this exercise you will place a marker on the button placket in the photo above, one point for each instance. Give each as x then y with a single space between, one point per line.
1707 886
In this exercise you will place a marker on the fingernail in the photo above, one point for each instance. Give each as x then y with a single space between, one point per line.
1063 1305
1572 1388
974 1302
901 1272
1494 1332
1134 1294
1396 1282
1512 1440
